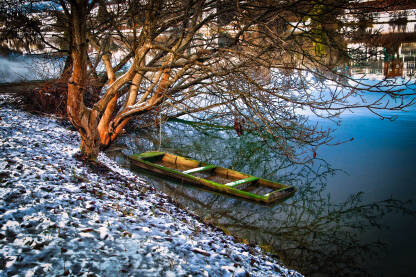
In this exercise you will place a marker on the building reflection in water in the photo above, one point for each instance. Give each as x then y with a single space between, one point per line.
387 46
376 63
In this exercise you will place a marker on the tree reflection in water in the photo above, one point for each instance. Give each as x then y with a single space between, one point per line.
308 232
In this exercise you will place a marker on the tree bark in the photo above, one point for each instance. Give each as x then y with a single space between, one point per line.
103 125
90 139
67 72
83 118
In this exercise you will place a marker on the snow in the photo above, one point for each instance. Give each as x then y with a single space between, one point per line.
62 216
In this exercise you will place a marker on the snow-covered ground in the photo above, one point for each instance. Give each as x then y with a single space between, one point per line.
62 216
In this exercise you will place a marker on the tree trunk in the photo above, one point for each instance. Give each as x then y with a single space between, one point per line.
90 139
67 72
103 126
83 118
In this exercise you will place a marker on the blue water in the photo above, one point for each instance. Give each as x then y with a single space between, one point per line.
381 162
325 229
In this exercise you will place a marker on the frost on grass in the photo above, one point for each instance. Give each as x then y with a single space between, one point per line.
60 216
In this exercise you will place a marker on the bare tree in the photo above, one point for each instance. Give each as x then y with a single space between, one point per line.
265 61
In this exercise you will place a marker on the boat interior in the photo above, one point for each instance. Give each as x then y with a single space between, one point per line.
219 175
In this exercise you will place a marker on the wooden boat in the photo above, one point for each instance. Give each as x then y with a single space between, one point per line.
211 176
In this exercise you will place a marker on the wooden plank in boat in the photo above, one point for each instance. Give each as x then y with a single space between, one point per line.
199 169
242 181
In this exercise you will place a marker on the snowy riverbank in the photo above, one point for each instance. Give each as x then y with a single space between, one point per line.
60 216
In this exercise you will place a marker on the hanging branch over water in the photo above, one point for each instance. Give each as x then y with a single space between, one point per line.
267 62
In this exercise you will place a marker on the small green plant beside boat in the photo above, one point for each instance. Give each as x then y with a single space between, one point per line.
211 176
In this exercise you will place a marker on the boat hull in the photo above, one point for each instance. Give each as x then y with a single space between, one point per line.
236 183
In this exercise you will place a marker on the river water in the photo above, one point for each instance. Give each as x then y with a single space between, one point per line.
350 215
354 210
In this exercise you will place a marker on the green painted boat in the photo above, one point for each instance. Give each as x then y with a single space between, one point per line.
213 177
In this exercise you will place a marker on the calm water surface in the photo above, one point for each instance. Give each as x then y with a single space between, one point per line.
350 215
380 162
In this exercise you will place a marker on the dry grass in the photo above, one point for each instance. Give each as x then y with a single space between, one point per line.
43 97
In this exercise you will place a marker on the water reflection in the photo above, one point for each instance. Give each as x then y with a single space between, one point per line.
376 63
385 46
309 232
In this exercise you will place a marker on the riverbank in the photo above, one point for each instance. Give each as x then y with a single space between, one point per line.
62 216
